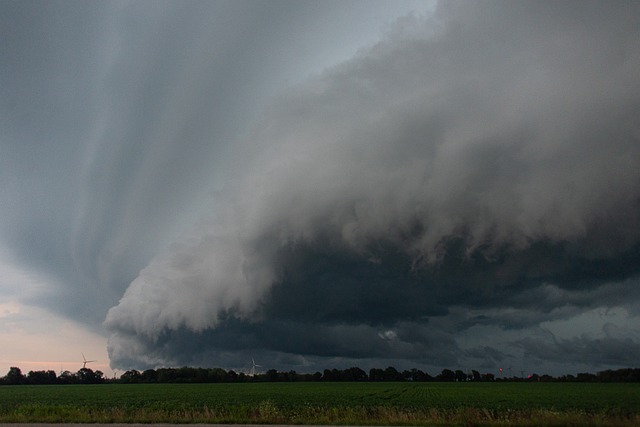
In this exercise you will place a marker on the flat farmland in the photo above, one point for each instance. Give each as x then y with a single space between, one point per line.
327 403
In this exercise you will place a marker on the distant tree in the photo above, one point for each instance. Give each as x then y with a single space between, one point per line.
293 376
131 376
606 376
586 377
218 375
167 375
446 375
88 376
460 375
149 376
628 375
41 377
15 376
272 375
418 375
66 377
488 377
353 374
475 375
619 375
308 377
232 376
205 375
187 374
391 374
634 375
331 375
376 374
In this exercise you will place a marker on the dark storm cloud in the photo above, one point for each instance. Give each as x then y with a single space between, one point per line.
466 191
612 349
235 341
474 172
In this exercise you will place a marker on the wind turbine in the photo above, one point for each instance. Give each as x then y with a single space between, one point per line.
253 368
84 364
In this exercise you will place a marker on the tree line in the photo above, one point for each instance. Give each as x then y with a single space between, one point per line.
83 376
353 374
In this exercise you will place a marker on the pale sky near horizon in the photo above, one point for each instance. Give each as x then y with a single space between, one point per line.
317 184
35 339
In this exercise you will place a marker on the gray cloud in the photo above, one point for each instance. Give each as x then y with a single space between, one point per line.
615 348
483 159
117 119
454 194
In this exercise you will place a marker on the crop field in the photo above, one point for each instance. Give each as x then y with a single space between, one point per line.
328 403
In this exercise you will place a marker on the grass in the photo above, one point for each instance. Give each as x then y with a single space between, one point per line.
491 404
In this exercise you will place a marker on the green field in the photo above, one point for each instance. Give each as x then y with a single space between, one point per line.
328 403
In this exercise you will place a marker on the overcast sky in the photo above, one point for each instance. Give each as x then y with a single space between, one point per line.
320 184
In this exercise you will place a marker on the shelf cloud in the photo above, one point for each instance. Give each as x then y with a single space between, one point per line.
463 191
484 158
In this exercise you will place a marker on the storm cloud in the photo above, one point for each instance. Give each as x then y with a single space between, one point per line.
461 192
481 160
